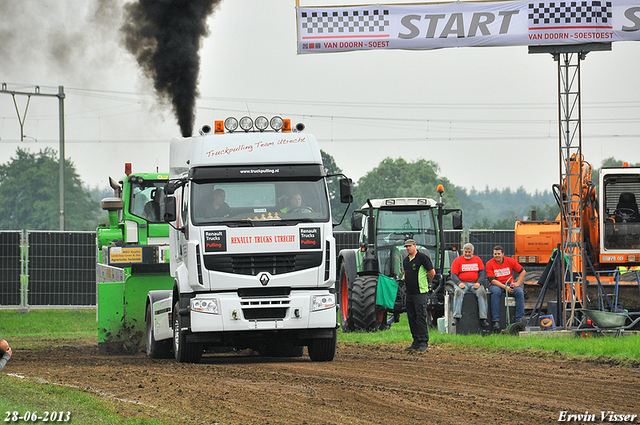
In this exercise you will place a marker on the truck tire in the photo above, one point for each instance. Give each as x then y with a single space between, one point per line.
362 312
344 292
155 349
323 349
184 352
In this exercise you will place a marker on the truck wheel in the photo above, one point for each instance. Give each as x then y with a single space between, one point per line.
184 352
344 292
155 349
362 310
323 349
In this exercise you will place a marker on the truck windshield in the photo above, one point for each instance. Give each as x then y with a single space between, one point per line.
396 226
147 200
259 201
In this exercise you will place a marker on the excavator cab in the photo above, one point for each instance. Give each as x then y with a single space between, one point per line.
620 190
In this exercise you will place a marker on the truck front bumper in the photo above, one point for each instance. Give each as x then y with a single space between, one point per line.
300 310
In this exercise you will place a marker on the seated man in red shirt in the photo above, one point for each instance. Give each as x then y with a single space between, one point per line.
500 271
468 273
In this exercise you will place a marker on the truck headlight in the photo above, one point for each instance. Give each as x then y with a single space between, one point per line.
323 302
205 305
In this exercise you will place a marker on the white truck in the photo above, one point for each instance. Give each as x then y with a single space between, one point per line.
252 251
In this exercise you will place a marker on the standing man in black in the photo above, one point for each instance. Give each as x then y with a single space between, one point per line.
418 272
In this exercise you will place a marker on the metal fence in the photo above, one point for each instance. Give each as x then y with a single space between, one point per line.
53 268
11 268
47 268
484 240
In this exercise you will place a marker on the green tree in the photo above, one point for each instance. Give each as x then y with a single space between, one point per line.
333 186
30 198
401 179
608 162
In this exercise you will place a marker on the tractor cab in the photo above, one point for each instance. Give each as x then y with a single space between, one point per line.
394 221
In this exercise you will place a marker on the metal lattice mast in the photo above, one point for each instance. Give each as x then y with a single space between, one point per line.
570 147
571 168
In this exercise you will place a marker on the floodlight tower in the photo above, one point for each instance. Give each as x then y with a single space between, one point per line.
569 57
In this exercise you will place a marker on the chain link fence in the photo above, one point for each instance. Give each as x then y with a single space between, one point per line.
47 268
58 269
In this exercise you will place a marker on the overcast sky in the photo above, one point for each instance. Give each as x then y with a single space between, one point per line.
487 115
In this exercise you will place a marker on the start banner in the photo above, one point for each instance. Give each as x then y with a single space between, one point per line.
505 23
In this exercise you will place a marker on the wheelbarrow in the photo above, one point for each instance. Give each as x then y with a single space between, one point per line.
605 321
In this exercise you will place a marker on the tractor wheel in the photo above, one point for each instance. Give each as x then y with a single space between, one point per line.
534 277
449 287
184 352
362 305
155 349
630 276
344 294
323 349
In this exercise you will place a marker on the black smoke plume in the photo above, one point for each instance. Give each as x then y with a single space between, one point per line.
165 37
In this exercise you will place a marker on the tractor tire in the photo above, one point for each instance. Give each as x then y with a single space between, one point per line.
630 276
362 305
184 352
449 287
344 297
534 277
323 349
155 349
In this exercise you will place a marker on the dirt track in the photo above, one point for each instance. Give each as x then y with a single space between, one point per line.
364 384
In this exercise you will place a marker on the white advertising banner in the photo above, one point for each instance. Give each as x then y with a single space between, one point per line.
505 23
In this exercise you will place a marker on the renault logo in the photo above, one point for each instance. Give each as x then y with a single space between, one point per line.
264 279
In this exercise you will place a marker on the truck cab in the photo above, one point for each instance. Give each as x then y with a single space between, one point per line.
252 247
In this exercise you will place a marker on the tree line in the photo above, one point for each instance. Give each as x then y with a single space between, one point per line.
29 193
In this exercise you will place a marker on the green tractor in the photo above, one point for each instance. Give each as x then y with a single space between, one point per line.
384 225
133 258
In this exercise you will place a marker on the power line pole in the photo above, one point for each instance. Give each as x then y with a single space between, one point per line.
60 95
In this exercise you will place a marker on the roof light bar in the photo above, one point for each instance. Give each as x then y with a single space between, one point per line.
246 123
231 124
276 123
261 123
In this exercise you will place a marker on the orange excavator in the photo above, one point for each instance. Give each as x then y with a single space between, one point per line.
610 225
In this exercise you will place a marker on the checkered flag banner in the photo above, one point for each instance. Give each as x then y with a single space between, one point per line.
345 22
459 24
565 14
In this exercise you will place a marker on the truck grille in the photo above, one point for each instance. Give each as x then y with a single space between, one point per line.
264 303
251 265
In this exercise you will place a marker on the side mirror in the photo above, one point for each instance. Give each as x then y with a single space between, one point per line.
356 222
346 191
172 185
456 220
169 209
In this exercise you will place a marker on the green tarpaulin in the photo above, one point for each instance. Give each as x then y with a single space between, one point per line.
386 291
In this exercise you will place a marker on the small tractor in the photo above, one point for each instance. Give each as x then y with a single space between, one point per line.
384 225
133 258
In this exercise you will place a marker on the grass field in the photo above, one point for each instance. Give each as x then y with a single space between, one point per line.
40 329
